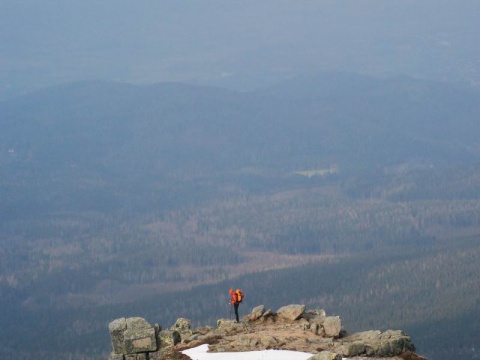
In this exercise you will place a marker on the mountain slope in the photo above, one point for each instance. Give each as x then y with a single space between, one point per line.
117 198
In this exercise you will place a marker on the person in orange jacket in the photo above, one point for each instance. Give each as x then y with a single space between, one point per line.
236 298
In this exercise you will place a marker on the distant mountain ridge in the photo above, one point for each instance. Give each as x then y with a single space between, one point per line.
334 118
121 135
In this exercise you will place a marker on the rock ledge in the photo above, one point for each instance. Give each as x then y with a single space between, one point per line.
291 327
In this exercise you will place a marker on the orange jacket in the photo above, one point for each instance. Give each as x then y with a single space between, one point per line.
234 296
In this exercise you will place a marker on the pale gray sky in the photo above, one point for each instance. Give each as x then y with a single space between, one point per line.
240 44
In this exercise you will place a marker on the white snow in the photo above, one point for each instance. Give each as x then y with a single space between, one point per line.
200 353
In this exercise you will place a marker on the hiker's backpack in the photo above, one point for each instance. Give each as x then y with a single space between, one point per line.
240 295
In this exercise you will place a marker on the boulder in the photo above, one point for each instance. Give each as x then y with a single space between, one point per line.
139 340
169 337
116 329
351 349
388 344
182 324
132 336
135 323
315 319
291 312
257 312
268 313
332 326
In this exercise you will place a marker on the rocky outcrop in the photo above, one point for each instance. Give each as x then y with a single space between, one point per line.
132 336
376 343
291 327
291 312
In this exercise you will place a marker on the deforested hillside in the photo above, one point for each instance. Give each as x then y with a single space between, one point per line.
356 194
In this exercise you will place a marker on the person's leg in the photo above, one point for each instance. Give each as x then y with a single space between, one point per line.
236 311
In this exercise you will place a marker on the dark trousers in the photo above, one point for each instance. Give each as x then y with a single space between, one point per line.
235 306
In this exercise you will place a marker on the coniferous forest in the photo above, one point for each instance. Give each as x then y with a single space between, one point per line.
121 200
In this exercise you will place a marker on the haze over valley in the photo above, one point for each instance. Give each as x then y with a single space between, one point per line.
319 153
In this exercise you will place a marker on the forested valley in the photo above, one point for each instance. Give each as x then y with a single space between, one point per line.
121 200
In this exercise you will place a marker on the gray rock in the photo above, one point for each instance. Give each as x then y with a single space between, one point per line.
388 344
138 340
314 313
351 349
169 337
268 313
257 312
325 355
222 322
398 342
316 318
134 323
300 330
143 356
291 312
226 324
116 329
303 323
322 343
176 337
182 324
193 338
332 326
114 356
132 336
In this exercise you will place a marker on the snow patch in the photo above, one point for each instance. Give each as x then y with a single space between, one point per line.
200 353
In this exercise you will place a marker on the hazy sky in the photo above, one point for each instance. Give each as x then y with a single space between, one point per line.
241 44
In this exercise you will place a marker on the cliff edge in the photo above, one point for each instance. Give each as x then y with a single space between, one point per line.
292 327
